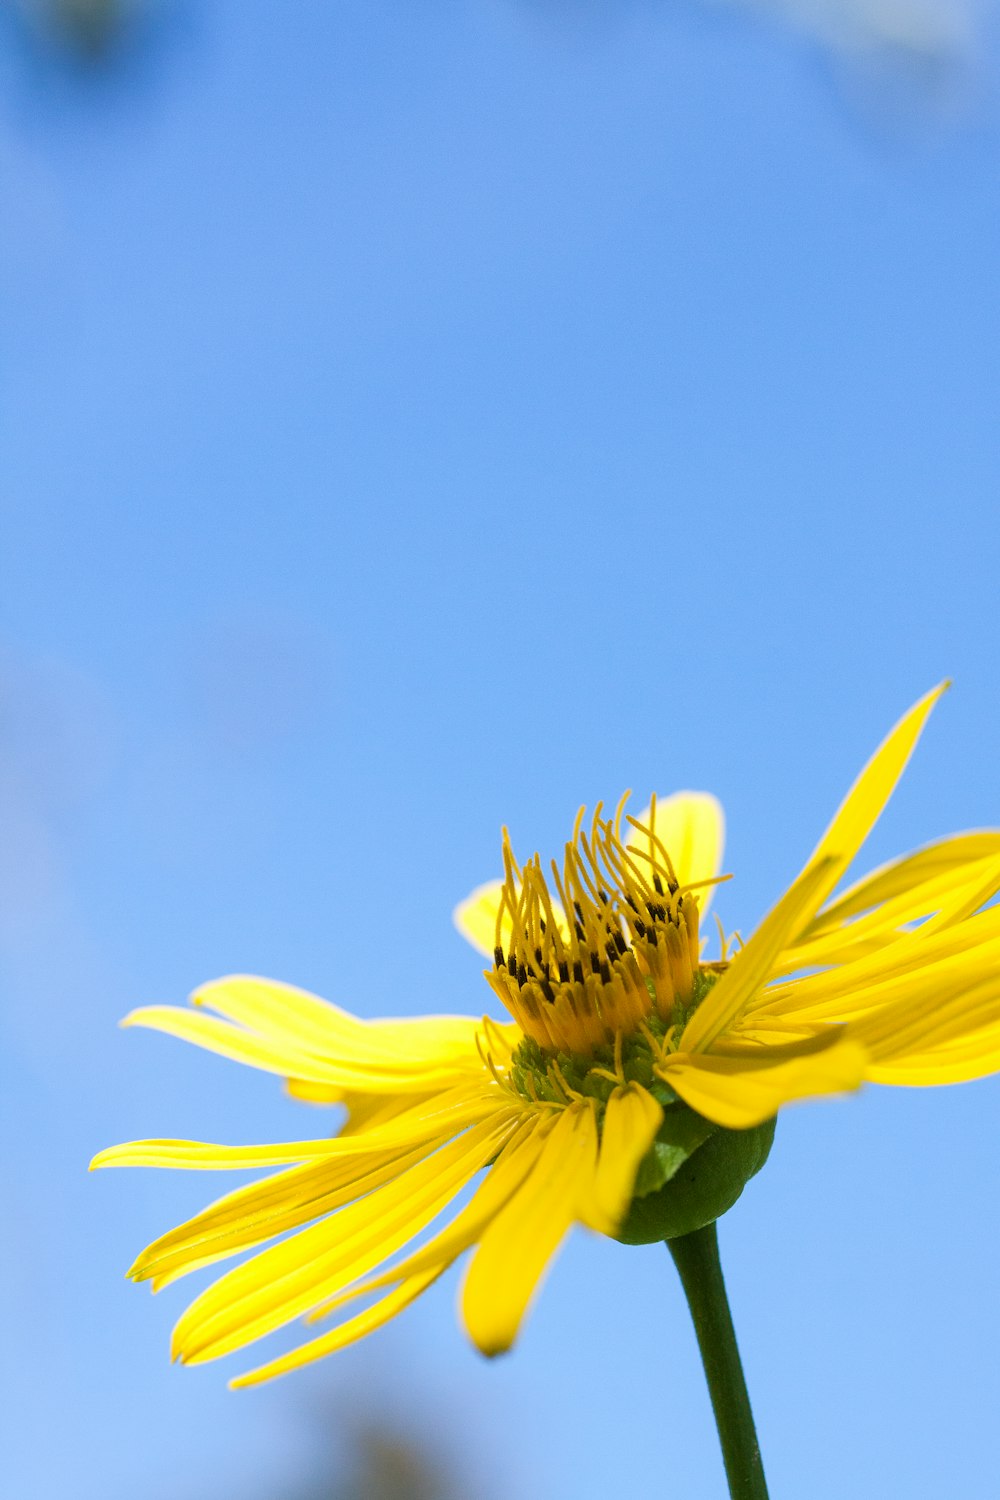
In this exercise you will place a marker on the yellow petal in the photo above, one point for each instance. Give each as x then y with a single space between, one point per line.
871 791
274 1056
510 1262
856 987
289 1278
938 902
476 917
203 1156
907 874
348 1333
754 964
503 1179
977 1056
261 1210
931 1014
739 1092
691 827
297 1018
631 1120
442 1115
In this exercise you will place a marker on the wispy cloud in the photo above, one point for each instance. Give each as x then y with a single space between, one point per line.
924 32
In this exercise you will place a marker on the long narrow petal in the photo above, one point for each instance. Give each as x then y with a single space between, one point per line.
739 1092
931 1015
907 873
691 826
861 807
288 1279
837 993
316 1026
938 902
260 1210
274 1057
921 973
503 1179
754 963
204 1156
508 1266
631 1120
442 1115
976 1056
356 1328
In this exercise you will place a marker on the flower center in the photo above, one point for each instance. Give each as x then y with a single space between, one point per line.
615 946
536 1074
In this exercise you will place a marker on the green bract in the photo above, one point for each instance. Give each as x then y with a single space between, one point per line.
692 1175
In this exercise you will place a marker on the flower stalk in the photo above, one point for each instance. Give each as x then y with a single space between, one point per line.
696 1257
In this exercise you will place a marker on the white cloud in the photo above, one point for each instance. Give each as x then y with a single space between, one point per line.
922 31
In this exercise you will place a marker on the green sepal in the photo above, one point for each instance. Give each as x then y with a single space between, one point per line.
701 1178
679 1137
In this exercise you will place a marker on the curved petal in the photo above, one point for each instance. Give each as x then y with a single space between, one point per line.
973 1057
929 1015
755 963
366 1322
258 1212
289 1278
860 809
514 1253
741 1091
944 900
631 1120
691 826
476 917
373 1074
285 1013
503 1179
911 873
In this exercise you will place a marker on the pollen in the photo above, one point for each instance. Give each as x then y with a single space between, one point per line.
610 945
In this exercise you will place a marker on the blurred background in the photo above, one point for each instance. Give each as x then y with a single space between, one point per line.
422 414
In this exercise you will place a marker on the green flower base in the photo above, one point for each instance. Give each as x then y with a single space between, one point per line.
683 1186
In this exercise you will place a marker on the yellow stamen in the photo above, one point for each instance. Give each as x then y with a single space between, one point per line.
627 946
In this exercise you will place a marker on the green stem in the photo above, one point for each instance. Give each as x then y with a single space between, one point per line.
696 1257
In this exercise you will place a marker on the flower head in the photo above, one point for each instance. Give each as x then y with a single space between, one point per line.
633 1090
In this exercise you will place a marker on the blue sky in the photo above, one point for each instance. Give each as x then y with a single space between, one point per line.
417 417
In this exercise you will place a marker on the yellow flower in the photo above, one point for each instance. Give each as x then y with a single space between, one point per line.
620 1027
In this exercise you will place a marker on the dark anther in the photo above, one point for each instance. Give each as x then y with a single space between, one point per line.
578 971
606 973
548 992
498 957
522 975
640 927
603 896
657 883
578 909
631 902
618 938
564 971
538 955
611 950
595 962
